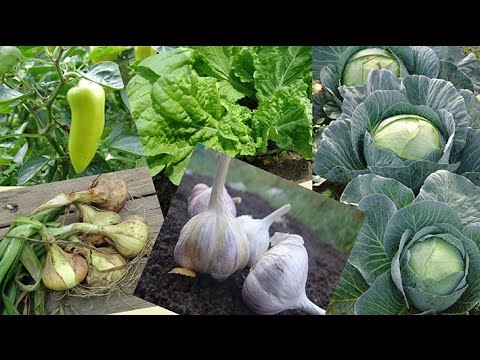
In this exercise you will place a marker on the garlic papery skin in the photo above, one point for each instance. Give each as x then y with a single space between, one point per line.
277 281
200 197
257 232
212 242
63 271
197 190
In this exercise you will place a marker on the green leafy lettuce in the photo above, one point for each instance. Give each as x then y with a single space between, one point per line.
233 99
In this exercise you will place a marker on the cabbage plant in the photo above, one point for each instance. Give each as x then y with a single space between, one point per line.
462 71
337 66
404 129
413 255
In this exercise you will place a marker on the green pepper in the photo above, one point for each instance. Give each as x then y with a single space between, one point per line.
98 59
87 103
142 52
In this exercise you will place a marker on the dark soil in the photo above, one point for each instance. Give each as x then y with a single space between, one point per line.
331 189
204 295
165 190
289 166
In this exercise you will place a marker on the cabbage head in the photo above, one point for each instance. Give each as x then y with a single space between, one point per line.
346 66
413 255
404 129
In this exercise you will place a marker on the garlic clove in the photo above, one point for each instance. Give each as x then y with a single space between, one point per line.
63 271
200 197
257 231
277 281
278 237
258 237
197 189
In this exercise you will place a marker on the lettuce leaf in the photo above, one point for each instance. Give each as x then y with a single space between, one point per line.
232 99
183 111
280 66
220 61
288 113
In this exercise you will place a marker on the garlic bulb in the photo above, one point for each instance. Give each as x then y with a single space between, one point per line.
257 232
277 281
200 197
212 242
63 271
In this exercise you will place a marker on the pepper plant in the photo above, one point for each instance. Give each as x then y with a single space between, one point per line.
36 118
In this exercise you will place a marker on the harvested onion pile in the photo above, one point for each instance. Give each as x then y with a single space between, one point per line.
93 254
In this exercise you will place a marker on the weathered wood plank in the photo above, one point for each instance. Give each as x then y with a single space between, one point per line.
154 310
100 305
26 199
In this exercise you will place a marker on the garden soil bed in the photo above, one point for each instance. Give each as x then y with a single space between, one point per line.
289 166
331 189
204 295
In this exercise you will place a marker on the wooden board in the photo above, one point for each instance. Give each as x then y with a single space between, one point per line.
144 202
307 184
154 310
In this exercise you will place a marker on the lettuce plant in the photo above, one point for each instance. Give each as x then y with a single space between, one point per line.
413 255
233 99
404 129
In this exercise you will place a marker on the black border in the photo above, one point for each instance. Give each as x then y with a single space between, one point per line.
322 337
244 24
